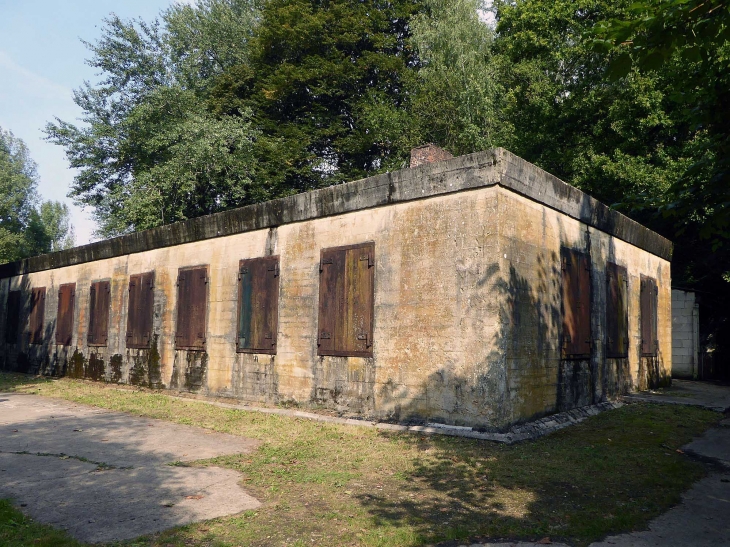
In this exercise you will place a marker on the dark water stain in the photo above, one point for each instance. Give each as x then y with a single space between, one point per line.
76 365
146 369
23 363
95 368
138 372
154 370
115 366
196 367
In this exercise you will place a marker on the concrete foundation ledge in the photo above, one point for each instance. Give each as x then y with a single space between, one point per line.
518 433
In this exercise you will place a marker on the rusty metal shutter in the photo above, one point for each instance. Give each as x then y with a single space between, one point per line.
65 318
258 305
617 316
192 307
576 293
140 310
12 317
648 298
346 301
37 311
99 300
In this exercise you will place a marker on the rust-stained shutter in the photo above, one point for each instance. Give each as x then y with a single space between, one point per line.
65 318
648 297
617 317
192 305
37 311
359 293
258 305
576 293
346 301
99 300
12 317
140 310
331 277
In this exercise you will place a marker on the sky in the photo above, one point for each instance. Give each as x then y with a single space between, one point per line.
42 60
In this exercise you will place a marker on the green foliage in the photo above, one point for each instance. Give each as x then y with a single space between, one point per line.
326 84
611 139
694 36
18 180
24 229
458 96
146 121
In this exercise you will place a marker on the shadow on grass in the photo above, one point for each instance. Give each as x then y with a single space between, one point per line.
9 381
610 474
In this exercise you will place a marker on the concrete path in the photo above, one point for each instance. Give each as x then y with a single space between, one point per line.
687 392
106 476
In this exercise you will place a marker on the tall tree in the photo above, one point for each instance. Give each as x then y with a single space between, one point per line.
458 96
326 83
146 121
691 39
610 138
26 227
18 180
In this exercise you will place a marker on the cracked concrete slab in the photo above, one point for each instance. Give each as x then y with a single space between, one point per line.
714 444
688 392
105 476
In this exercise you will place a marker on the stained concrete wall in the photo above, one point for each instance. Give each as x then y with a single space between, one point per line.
685 334
467 298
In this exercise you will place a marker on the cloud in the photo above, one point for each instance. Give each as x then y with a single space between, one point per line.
31 83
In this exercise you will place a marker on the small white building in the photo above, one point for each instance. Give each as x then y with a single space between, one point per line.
685 334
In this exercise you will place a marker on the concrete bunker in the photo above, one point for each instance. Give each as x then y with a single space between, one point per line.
477 290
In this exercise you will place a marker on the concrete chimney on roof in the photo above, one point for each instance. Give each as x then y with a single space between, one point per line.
429 153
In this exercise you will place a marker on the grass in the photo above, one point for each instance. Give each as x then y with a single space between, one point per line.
17 530
325 484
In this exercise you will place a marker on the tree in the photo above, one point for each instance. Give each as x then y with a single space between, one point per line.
150 153
695 35
24 229
692 39
458 94
18 180
610 138
327 85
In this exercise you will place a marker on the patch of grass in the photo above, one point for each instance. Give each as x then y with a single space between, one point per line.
326 484
16 530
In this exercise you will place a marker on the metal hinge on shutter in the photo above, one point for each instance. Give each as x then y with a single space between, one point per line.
325 262
274 269
325 335
369 258
364 337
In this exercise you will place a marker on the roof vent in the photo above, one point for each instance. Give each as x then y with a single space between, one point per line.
429 153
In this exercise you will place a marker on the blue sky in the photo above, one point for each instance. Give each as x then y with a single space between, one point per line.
42 60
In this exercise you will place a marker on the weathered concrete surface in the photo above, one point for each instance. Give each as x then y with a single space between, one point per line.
714 444
686 392
467 299
105 476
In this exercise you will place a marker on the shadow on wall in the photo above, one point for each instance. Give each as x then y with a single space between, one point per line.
20 355
524 376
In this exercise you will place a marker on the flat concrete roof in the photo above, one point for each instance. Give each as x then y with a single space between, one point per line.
497 167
